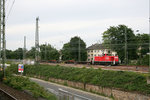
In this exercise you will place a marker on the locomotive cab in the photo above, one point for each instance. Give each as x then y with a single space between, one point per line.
106 60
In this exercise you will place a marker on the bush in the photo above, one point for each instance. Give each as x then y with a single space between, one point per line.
128 81
144 61
22 83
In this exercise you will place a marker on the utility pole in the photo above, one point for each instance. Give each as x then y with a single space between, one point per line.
125 45
79 51
110 49
0 26
45 50
24 50
3 36
37 42
149 36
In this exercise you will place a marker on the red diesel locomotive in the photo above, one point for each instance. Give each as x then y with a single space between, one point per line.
106 60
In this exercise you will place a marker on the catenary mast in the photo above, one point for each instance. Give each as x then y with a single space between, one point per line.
37 42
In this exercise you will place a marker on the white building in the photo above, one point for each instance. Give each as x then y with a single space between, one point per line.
98 50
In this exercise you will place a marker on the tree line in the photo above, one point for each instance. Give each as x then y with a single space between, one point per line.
70 51
119 38
47 52
123 39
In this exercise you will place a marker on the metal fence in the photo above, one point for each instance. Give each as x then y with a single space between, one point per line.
65 95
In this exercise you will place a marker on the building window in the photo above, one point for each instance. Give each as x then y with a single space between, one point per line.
88 55
95 55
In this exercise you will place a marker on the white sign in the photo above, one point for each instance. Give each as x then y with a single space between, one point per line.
20 68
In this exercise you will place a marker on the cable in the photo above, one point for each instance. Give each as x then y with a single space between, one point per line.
7 3
10 10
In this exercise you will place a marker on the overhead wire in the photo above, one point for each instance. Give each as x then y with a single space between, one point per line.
8 2
10 9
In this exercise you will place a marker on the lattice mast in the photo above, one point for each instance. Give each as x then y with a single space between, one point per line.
2 35
37 42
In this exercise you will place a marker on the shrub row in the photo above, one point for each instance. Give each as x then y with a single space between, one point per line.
21 83
128 81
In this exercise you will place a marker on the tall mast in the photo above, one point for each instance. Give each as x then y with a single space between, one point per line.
37 42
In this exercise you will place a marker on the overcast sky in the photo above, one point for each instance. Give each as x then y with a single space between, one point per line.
62 19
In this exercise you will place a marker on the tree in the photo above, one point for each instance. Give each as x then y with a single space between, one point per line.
143 43
66 53
18 54
143 49
47 52
75 48
114 38
10 54
31 53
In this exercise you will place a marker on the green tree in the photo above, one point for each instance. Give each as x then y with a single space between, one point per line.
71 50
143 43
9 54
114 38
66 52
18 54
143 49
31 53
47 52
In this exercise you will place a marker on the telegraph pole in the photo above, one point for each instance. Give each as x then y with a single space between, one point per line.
0 26
125 45
3 36
45 50
149 36
79 51
24 50
37 42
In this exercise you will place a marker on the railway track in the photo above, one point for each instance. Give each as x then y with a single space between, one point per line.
8 93
140 69
6 96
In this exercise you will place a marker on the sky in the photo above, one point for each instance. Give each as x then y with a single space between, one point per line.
60 20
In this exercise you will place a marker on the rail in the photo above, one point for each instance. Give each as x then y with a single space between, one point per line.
10 97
